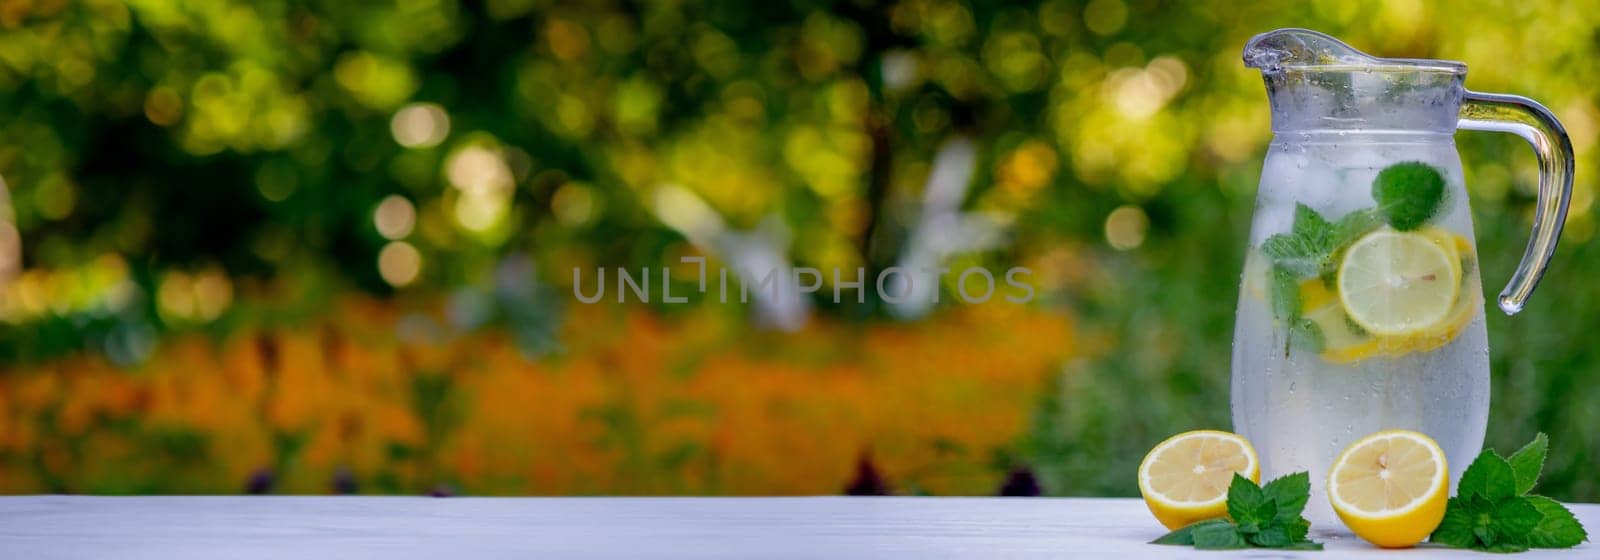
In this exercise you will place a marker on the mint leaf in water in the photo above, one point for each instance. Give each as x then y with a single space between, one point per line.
1292 253
1304 249
1408 194
1309 249
1354 225
1317 230
1285 289
1492 510
1305 334
1527 462
1260 517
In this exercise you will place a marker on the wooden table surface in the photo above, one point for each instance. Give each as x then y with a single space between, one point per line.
820 527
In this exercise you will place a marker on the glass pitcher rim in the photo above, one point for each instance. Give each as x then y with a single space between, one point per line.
1384 65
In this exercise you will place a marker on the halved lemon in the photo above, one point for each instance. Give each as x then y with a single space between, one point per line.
1185 478
1395 283
1391 487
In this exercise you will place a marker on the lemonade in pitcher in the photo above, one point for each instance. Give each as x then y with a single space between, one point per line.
1361 305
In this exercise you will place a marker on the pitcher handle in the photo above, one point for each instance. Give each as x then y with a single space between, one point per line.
1527 118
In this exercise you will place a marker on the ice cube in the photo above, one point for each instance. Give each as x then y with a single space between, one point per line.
1290 177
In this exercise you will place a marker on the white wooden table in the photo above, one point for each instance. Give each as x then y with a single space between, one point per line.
822 527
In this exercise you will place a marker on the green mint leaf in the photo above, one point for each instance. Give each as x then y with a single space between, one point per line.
1304 251
1488 477
1330 275
1267 517
1290 493
1482 521
1506 548
1298 529
1266 512
1527 462
1307 335
1184 536
1456 527
1514 518
1218 537
1484 533
1246 503
1294 253
1408 194
1285 294
1355 328
1284 535
1354 225
1276 536
1557 527
1345 232
1314 228
1509 524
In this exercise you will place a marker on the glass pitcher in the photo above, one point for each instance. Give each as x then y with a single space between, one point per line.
1360 306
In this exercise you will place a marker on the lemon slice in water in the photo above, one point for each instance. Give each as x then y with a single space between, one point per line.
1394 283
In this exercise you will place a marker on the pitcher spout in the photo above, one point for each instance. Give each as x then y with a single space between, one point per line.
1318 83
1306 50
1273 51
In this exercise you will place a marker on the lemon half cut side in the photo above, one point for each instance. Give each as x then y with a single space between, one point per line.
1390 487
1185 478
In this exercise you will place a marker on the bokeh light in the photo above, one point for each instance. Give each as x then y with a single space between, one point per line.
573 204
10 251
1126 227
420 125
399 263
394 217
197 297
213 293
163 106
376 81
484 180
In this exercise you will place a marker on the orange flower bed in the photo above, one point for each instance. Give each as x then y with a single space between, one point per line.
635 403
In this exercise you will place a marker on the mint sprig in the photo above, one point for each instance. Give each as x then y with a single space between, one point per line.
1261 517
1493 511
1309 246
1309 249
1305 248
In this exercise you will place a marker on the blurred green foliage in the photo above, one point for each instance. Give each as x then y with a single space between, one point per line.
198 164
